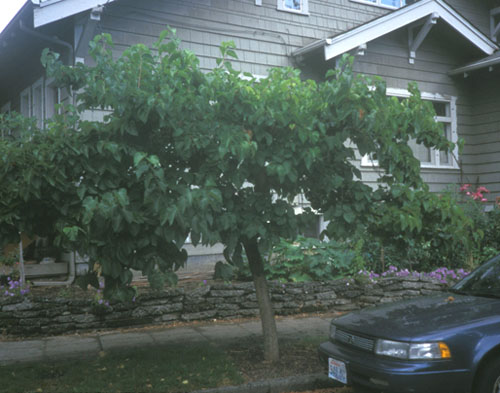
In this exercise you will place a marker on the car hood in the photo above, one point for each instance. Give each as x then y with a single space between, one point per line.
428 317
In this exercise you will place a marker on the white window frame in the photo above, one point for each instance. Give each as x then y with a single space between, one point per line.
304 9
40 107
366 161
378 3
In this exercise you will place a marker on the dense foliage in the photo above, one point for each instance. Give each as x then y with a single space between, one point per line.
220 157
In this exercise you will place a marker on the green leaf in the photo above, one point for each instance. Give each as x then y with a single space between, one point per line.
349 217
138 157
168 214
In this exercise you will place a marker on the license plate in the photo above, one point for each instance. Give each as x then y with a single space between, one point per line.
337 370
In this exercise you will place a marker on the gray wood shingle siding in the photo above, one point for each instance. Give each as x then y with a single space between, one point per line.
482 137
264 36
476 12
387 57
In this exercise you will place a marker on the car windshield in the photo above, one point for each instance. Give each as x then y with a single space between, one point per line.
484 281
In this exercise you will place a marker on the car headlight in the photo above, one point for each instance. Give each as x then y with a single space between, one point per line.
412 351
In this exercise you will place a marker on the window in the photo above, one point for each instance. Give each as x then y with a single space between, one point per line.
52 98
296 6
39 101
446 114
25 104
386 3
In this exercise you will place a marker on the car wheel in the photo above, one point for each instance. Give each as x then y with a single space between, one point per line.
488 380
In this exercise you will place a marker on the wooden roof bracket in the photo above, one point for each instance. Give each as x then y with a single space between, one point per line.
495 24
360 50
414 42
85 31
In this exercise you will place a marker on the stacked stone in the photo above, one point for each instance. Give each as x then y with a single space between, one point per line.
31 316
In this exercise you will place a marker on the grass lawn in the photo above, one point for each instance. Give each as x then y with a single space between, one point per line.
172 368
156 369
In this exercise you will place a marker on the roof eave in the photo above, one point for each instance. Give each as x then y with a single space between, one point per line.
313 46
50 12
404 17
14 20
397 19
475 66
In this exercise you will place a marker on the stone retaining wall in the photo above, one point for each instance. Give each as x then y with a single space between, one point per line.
31 316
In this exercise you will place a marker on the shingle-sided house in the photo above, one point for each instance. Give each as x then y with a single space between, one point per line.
448 47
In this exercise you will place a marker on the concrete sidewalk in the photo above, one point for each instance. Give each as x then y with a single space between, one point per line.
77 346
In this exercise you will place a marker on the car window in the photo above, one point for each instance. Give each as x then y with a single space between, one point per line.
484 281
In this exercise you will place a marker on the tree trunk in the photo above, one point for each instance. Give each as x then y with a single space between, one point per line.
22 274
382 258
271 348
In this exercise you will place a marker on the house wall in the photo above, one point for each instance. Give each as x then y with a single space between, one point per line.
482 138
476 12
264 36
387 57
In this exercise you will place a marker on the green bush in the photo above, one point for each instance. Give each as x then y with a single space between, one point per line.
478 238
305 259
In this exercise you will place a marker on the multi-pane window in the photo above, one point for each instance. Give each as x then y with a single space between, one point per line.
445 109
297 6
434 158
39 101
52 98
25 104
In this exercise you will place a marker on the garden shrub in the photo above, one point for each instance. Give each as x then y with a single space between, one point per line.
310 259
305 259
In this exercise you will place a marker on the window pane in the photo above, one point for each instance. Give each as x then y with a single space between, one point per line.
441 108
445 157
391 3
38 105
293 4
422 153
25 105
51 100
